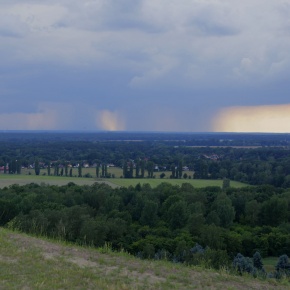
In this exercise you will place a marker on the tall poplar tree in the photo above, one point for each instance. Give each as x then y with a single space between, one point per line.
55 173
18 166
150 169
66 169
103 170
142 168
131 170
137 169
48 168
172 171
180 169
125 169
36 167
80 170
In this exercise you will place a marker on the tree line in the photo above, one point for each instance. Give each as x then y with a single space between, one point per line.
256 166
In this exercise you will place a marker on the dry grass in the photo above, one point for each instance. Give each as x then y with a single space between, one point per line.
31 263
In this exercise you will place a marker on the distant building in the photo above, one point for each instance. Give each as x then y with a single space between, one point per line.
2 168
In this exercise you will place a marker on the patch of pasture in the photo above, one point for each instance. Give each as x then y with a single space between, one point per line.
270 263
26 178
6 180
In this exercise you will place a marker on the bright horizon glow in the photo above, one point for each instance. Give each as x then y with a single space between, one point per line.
111 121
264 119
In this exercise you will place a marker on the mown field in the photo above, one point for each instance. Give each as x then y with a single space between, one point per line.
7 180
22 179
31 263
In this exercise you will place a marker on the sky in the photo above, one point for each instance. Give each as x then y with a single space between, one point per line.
145 65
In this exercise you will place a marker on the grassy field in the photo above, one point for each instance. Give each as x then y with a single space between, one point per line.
7 180
32 263
270 263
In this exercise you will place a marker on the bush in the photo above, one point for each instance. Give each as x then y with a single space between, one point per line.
243 264
283 267
87 175
257 261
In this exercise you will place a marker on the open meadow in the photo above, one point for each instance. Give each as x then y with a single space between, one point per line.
7 180
26 178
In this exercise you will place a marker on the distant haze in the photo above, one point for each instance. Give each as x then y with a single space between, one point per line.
147 65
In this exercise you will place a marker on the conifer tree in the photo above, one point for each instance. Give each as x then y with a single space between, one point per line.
257 261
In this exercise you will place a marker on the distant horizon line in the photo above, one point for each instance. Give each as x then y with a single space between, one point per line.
138 132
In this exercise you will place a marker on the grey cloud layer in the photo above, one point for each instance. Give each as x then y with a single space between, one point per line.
123 55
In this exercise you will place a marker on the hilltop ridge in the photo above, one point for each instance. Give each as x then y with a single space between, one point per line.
36 263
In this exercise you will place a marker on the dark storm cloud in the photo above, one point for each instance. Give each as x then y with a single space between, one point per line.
164 65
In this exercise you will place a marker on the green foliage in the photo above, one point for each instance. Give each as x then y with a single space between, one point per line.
149 213
226 183
80 170
257 261
243 264
283 267
151 222
224 209
36 167
274 211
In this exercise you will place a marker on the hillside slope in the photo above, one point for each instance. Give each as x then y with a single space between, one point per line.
32 263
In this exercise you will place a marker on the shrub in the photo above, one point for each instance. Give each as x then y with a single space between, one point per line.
243 264
257 261
282 267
